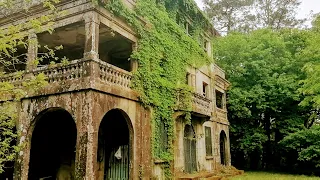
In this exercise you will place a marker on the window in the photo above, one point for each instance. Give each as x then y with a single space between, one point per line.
208 141
163 139
205 45
219 99
188 79
205 89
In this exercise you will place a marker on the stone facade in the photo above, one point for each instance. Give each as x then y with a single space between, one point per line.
92 90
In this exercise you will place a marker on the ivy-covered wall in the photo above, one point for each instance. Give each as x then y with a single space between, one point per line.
164 53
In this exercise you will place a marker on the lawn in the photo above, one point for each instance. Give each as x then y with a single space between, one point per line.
272 176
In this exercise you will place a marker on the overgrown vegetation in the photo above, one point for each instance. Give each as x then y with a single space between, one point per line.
164 53
14 39
274 98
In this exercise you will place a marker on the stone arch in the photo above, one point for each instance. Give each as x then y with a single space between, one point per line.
190 149
223 148
115 146
53 142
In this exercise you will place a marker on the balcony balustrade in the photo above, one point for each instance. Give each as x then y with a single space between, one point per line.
77 75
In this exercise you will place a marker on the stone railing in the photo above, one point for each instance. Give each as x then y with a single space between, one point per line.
221 114
62 72
113 75
77 75
12 78
201 104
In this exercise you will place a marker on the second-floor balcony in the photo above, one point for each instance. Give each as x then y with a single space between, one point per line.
77 75
201 105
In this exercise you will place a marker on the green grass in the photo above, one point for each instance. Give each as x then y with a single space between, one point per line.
272 176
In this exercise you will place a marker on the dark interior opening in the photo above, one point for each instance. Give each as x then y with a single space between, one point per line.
208 141
219 99
205 89
190 149
114 146
70 37
53 146
223 140
114 48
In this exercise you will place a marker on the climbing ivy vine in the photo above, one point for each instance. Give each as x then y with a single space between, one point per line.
164 53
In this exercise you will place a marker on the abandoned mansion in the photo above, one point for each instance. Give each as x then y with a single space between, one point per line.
89 119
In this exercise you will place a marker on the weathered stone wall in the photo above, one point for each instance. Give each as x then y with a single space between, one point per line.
87 109
204 163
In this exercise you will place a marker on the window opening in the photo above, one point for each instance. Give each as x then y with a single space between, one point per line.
205 89
208 141
219 99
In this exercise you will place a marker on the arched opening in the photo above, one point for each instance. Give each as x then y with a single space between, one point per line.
115 146
53 144
190 153
223 148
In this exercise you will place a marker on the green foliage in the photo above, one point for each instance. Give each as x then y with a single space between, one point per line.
12 39
8 148
248 15
164 53
311 55
264 69
305 144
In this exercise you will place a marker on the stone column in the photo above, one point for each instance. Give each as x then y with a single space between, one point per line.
91 49
32 51
134 62
224 100
193 82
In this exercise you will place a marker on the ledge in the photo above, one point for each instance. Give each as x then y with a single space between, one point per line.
159 161
209 157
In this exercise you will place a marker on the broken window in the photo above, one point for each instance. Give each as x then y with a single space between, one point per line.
219 99
208 141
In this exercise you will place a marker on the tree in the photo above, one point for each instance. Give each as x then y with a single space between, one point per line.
277 14
14 43
263 104
248 15
310 84
303 147
228 15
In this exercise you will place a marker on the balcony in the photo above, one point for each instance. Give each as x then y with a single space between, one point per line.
221 114
201 104
78 75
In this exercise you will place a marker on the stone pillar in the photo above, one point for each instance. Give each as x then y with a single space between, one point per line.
32 51
224 100
134 62
193 82
91 49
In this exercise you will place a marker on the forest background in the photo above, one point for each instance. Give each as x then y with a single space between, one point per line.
273 63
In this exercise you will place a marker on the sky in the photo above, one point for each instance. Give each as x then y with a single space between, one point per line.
304 10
